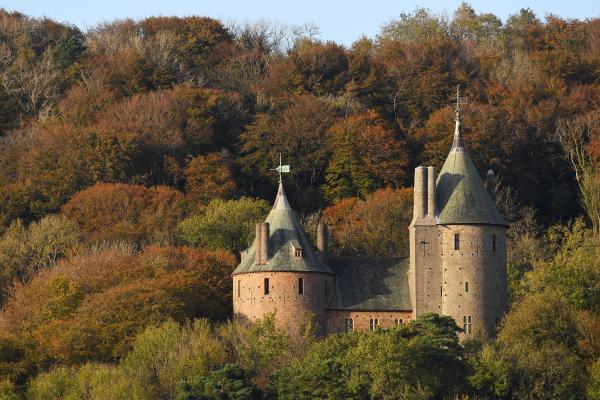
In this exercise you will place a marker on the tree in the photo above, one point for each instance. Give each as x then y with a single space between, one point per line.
227 383
121 212
208 177
376 226
573 136
24 251
365 156
536 355
421 360
299 133
224 224
92 306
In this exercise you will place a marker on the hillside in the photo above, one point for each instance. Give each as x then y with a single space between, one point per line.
135 159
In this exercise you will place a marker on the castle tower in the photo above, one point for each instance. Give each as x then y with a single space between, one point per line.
460 270
282 273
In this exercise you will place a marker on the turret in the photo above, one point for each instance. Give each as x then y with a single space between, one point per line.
472 235
283 273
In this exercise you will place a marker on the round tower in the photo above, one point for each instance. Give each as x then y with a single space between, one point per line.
282 274
472 246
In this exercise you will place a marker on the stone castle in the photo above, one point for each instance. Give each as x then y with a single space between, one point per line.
456 267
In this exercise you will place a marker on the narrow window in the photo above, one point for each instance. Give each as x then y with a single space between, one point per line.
326 288
466 286
239 288
298 253
469 324
266 286
348 325
465 324
456 241
494 243
440 291
396 322
373 323
300 285
328 326
400 321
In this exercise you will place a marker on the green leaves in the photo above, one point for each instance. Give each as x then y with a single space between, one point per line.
224 224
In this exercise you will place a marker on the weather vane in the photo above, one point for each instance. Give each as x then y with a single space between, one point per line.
281 168
459 101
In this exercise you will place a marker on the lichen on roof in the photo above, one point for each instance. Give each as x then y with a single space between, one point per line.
284 230
461 194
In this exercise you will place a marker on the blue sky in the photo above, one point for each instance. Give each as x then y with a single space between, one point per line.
339 20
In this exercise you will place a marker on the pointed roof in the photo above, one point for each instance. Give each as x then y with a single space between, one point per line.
285 232
461 195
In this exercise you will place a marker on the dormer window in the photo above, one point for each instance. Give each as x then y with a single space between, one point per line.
296 249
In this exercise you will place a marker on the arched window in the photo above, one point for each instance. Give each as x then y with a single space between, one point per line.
373 323
266 286
456 241
348 325
467 325
466 286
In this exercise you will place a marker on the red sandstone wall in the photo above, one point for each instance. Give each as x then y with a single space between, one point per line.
335 322
250 303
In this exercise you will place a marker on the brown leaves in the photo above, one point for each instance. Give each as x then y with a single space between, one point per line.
374 227
120 212
93 305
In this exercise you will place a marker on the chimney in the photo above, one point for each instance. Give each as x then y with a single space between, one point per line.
420 193
431 211
490 184
264 243
322 240
257 244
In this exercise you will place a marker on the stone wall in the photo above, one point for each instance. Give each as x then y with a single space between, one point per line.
250 302
336 319
425 276
474 276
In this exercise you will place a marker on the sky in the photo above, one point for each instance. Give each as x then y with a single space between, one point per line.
343 21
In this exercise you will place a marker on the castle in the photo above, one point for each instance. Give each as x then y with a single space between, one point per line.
456 266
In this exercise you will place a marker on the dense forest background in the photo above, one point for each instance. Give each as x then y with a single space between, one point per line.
135 159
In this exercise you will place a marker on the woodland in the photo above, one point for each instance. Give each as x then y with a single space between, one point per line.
135 159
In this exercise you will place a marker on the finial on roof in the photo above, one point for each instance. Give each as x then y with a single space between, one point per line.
458 143
281 168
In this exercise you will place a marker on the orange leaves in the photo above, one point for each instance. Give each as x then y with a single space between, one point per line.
374 227
93 305
113 212
209 177
365 155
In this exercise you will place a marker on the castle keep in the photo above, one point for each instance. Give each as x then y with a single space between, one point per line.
456 266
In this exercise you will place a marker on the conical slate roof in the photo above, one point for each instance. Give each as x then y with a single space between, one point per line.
461 195
284 231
